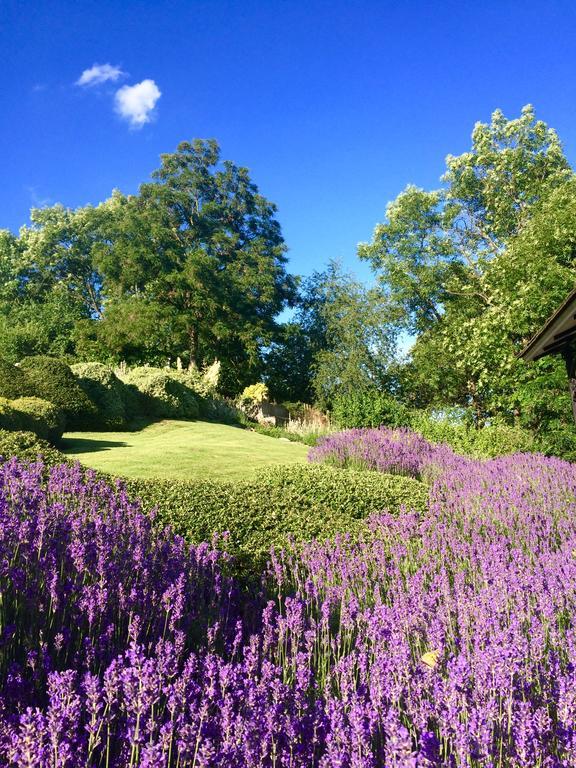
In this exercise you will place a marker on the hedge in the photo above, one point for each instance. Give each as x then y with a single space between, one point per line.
27 446
107 392
296 502
41 417
53 380
13 381
163 395
8 416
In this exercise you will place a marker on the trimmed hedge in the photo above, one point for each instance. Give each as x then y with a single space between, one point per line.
53 380
163 395
106 391
41 417
13 381
27 446
297 503
8 416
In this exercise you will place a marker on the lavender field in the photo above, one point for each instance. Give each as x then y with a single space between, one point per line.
443 638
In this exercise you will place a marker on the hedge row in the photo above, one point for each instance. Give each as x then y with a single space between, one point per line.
92 397
29 447
299 502
32 414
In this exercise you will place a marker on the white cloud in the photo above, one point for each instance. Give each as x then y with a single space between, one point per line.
136 103
100 73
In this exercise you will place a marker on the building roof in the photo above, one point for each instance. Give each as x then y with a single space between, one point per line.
556 333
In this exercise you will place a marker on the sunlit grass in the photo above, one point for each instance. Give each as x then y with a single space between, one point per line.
183 450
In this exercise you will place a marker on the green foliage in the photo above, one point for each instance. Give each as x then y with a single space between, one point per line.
54 381
284 503
288 362
41 417
255 393
46 284
8 417
488 442
346 323
477 267
106 391
163 394
251 398
370 408
13 381
29 447
220 410
199 254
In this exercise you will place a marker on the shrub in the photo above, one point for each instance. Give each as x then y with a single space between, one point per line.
488 442
8 416
203 383
13 381
251 398
106 391
53 380
283 503
41 417
29 447
220 410
369 409
163 395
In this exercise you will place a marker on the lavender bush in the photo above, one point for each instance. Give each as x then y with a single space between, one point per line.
443 638
398 451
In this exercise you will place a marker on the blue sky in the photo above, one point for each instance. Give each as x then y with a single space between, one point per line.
334 106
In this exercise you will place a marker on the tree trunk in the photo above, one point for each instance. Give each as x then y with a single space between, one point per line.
193 347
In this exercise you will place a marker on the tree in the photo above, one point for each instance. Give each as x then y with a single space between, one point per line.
339 339
288 365
204 247
47 283
456 273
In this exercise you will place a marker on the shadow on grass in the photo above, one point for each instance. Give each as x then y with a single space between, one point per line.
85 445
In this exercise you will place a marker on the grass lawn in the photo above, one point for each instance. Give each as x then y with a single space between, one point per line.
183 450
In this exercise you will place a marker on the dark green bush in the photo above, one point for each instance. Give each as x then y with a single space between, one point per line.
369 409
283 503
13 381
219 410
41 417
557 440
53 380
162 394
106 391
8 417
29 447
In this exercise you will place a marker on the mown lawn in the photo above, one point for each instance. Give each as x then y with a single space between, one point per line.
183 450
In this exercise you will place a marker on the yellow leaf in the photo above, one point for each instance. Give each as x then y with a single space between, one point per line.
430 658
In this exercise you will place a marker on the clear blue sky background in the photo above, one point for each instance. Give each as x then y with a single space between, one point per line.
334 106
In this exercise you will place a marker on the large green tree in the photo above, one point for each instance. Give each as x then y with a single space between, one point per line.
474 268
47 283
202 247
